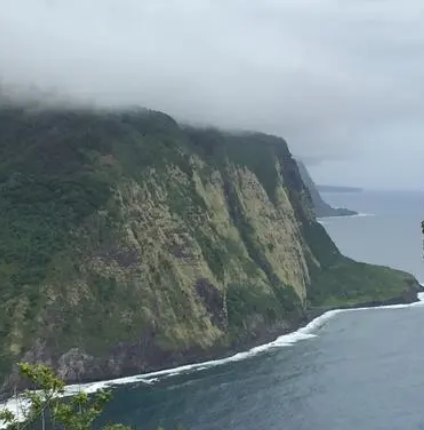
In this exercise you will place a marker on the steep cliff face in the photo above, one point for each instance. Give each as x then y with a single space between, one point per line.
321 208
129 243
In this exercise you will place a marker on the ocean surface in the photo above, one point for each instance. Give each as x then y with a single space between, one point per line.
388 233
347 370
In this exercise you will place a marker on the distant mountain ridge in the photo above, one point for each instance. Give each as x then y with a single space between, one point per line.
338 189
321 208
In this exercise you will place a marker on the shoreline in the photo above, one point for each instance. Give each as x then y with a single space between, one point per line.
315 319
355 215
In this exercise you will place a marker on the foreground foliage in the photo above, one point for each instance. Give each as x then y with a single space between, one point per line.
45 406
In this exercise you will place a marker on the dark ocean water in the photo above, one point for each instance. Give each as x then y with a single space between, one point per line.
362 370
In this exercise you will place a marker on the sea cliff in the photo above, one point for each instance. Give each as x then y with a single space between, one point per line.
130 243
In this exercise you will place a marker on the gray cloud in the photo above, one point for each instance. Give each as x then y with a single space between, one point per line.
329 75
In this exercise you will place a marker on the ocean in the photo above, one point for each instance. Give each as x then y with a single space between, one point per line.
350 370
387 233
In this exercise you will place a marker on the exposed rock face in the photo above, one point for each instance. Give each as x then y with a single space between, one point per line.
130 244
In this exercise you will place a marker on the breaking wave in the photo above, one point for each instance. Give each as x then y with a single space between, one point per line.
309 331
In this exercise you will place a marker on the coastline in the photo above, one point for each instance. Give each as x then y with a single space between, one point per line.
355 215
273 338
315 318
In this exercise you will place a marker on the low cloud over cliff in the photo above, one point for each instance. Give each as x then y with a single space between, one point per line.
328 75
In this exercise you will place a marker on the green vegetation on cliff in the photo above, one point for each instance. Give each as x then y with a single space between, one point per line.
363 284
129 243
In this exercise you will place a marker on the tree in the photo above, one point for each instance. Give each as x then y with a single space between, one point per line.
46 404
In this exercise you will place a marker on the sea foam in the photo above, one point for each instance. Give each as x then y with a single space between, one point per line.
311 330
326 219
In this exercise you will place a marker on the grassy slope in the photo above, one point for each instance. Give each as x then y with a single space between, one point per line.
349 283
122 227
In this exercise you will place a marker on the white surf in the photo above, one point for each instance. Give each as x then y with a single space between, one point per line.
18 406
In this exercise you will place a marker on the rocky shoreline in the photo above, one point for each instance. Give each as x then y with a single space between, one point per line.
127 360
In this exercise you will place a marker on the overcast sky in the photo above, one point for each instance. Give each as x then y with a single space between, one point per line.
341 80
